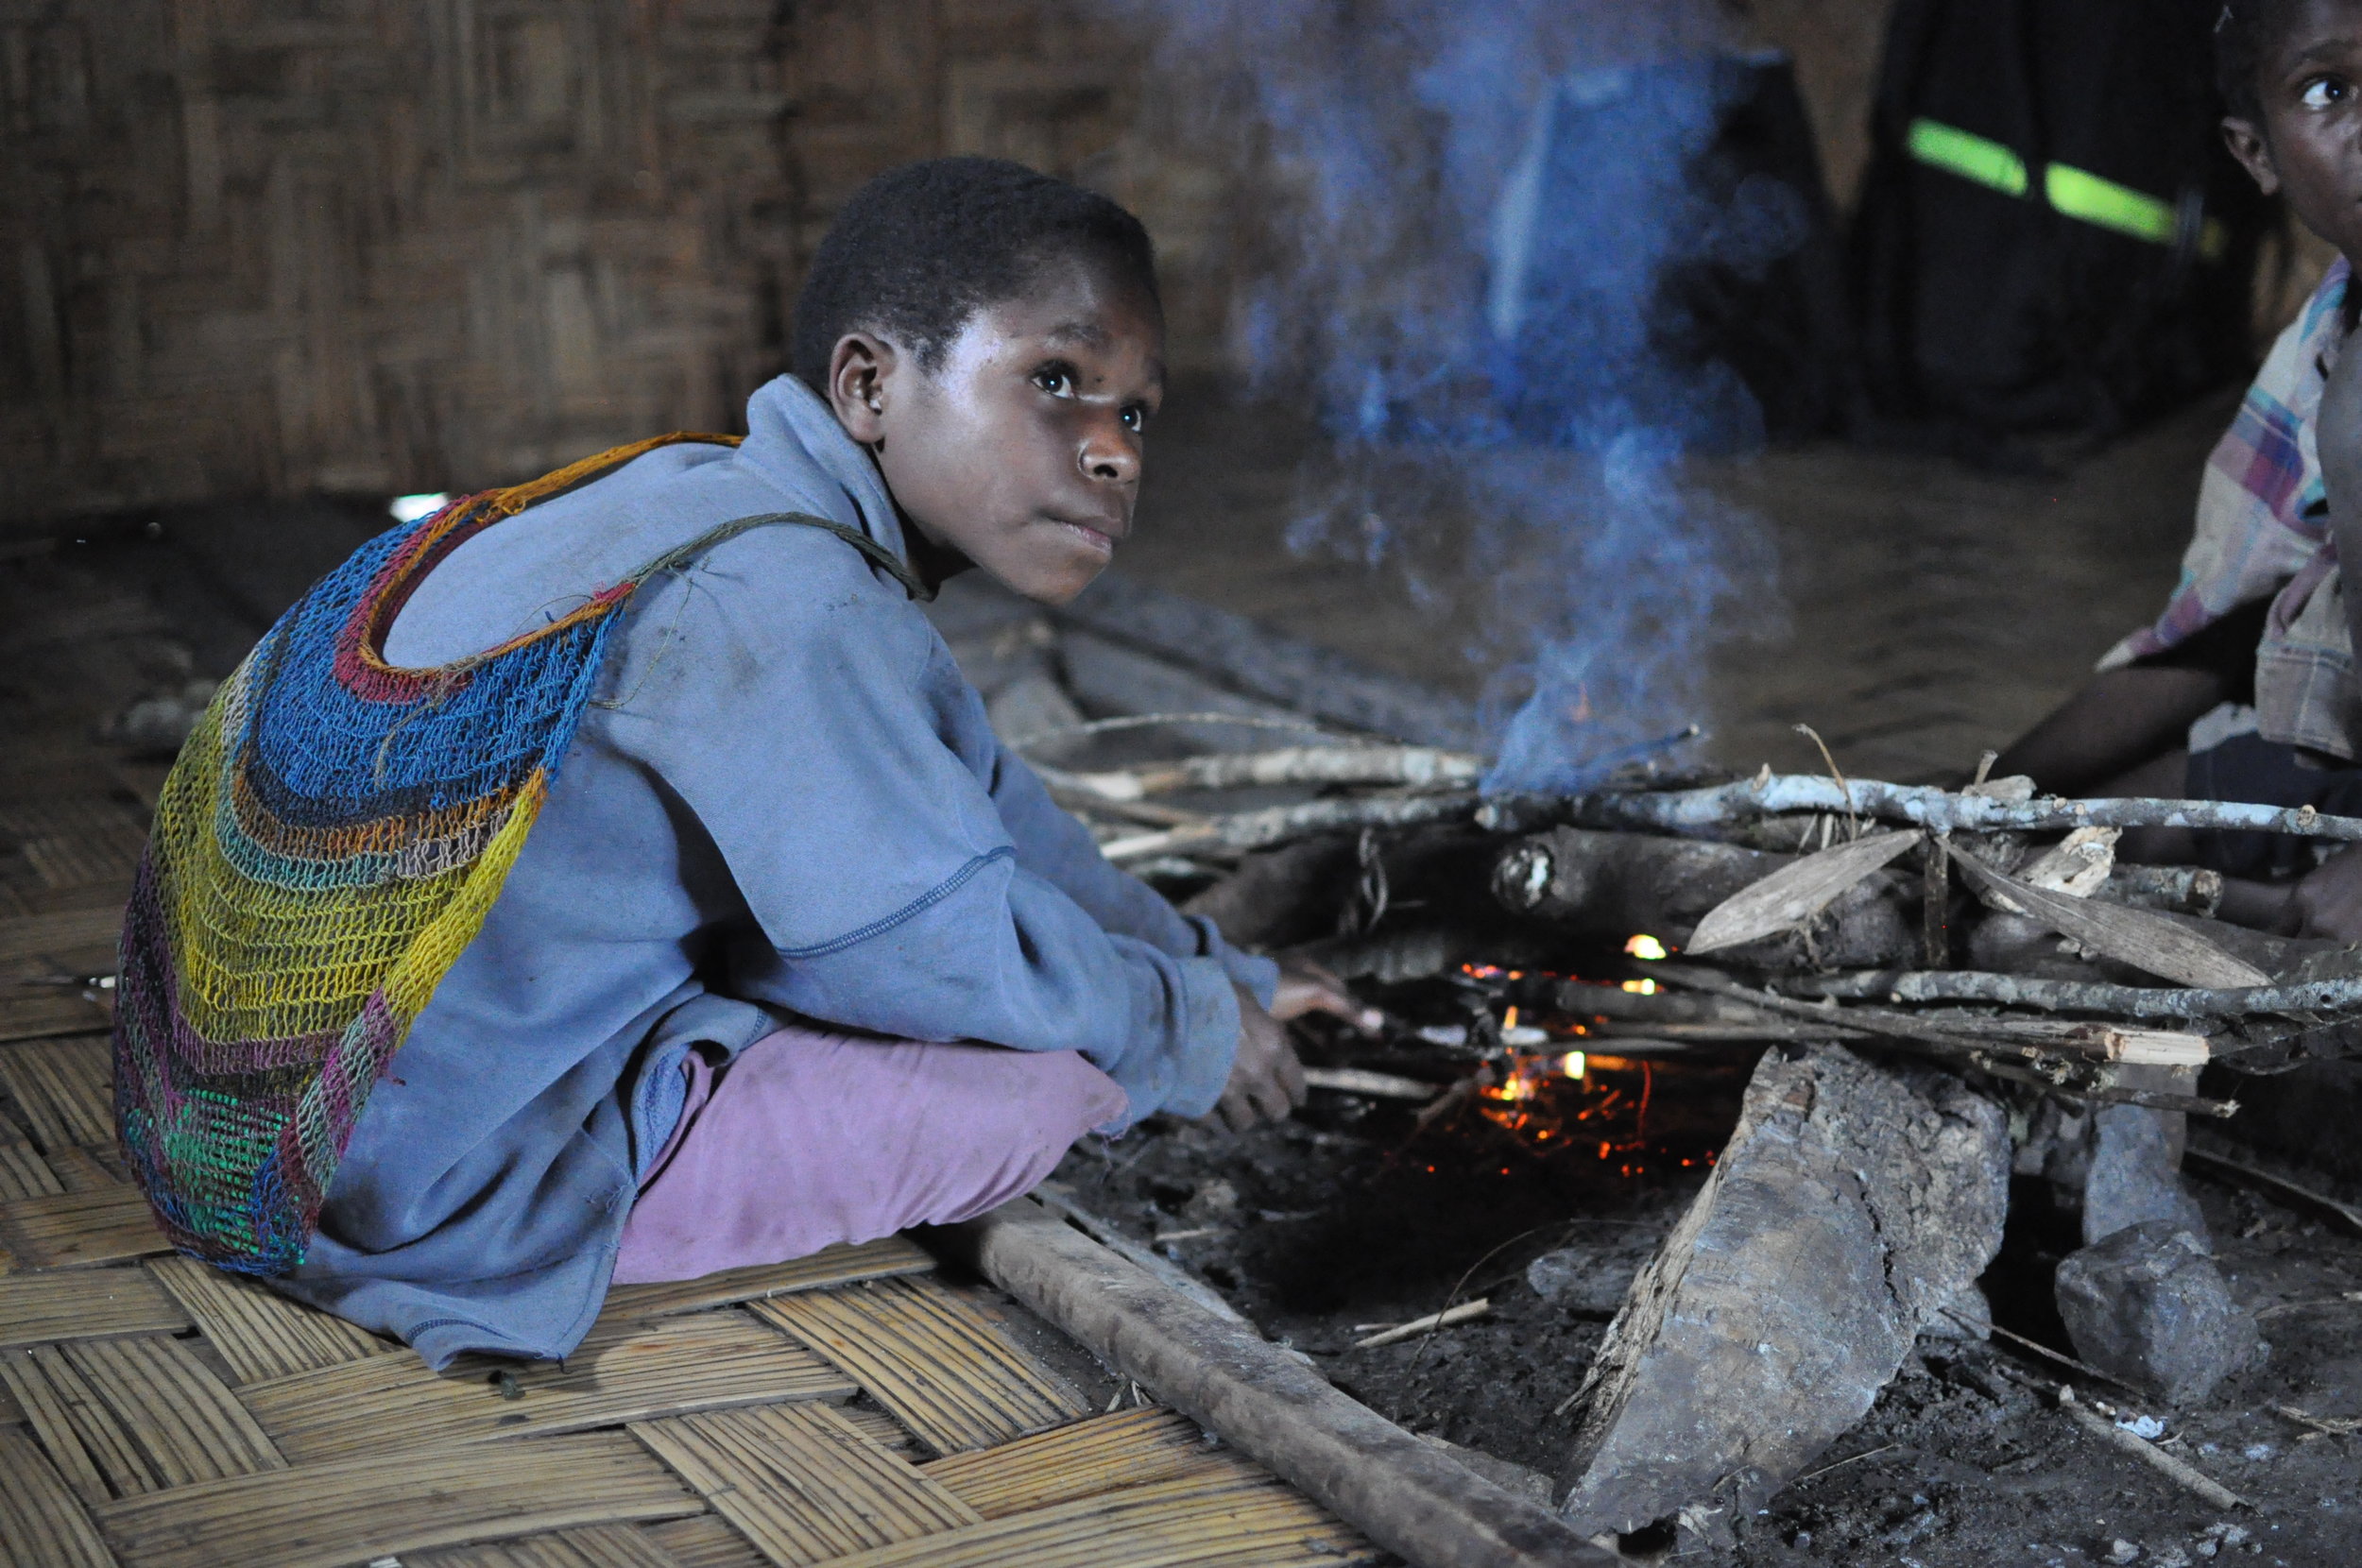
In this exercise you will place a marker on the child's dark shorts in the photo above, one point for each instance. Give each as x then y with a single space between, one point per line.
2267 772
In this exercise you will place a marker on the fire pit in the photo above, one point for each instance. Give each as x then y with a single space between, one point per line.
1700 1109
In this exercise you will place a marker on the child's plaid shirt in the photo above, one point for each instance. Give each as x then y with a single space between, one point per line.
2263 533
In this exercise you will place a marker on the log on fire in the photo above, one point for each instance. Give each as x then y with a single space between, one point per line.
1854 1201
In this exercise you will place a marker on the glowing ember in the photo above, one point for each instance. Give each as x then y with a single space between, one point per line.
1645 947
1641 987
1573 1064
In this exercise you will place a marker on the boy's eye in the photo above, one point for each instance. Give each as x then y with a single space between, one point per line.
1136 418
2325 93
1056 380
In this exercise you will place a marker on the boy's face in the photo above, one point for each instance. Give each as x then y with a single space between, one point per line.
1023 451
2310 142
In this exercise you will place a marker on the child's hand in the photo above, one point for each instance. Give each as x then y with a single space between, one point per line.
2328 901
1266 1079
1306 988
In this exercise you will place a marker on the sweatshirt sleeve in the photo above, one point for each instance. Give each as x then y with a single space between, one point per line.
1054 847
810 722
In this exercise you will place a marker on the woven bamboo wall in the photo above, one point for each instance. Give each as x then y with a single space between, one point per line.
278 247
270 246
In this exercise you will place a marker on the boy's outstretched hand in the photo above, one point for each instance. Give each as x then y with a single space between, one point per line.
1267 1080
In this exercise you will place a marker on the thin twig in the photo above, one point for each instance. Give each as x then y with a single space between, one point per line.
2044 1351
2131 1001
1852 819
2149 1453
1851 1458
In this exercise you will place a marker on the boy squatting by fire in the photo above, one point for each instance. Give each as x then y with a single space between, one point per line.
795 952
2253 663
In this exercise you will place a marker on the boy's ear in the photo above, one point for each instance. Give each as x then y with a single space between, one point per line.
2249 144
860 374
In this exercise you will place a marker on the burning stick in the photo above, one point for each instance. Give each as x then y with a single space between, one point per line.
1411 767
1375 1085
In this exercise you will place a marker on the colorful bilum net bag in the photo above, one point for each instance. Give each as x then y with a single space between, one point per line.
326 846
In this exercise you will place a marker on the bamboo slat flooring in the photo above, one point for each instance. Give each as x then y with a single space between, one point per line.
76 1230
64 1087
593 1546
944 1370
260 1333
40 1524
34 1013
804 1485
389 1403
359 1511
158 1413
894 1255
1085 1460
85 1303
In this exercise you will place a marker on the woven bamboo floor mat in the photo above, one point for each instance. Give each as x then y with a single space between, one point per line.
850 1408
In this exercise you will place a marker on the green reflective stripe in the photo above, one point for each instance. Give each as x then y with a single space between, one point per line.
2075 192
2085 196
1956 151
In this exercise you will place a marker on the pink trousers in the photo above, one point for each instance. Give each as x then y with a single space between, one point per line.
809 1139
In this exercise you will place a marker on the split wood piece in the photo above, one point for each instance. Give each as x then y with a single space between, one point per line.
801 1484
64 1087
887 1259
705 1541
79 1230
260 1333
1935 933
1241 831
1792 896
1851 1203
85 1303
2345 1216
1246 1523
1403 1494
943 1368
23 1172
593 1546
1690 812
1088 1458
122 1417
2137 937
2131 1001
332 1515
707 1362
40 1524
1612 884
36 1012
2149 1453
1411 767
1375 1085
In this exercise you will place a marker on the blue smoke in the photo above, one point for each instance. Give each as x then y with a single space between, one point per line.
1474 204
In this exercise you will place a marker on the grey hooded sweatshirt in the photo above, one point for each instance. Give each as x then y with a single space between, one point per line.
785 803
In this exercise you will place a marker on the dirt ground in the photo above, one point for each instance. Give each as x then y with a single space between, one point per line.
1930 612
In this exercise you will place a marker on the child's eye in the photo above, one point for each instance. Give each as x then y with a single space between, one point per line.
1136 418
1056 380
2325 93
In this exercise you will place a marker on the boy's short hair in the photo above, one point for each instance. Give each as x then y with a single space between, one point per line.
920 250
2244 34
